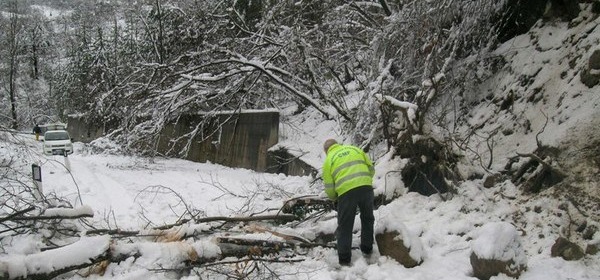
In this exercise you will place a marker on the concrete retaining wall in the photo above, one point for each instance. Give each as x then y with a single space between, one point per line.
82 131
241 141
282 161
236 140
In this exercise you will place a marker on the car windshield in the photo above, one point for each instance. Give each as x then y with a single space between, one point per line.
56 135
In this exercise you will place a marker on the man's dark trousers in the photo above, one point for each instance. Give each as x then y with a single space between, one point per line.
361 197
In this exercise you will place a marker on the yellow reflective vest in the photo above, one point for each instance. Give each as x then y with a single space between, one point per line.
346 167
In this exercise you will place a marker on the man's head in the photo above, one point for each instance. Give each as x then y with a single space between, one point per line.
328 143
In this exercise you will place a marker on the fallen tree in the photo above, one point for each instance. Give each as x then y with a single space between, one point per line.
281 218
176 227
93 253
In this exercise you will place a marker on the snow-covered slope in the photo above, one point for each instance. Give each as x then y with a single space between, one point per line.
539 92
538 100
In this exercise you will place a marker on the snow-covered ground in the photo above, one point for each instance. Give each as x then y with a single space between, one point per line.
130 193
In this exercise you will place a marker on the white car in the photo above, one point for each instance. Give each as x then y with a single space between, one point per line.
57 142
53 126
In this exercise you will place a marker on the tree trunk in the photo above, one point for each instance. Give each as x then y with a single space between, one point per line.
35 38
101 250
13 40
160 47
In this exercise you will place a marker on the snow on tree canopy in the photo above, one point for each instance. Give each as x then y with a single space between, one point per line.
499 241
410 108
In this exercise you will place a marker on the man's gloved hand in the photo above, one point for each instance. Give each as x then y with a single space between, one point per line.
333 202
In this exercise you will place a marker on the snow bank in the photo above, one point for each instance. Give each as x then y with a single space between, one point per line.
499 241
390 220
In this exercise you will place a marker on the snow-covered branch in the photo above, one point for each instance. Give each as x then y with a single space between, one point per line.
51 263
82 211
410 110
298 93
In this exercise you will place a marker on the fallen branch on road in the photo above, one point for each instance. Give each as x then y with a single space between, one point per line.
282 218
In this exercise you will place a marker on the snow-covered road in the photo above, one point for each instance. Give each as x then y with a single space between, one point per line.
130 192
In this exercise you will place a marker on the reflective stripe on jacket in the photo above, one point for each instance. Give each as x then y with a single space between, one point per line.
346 167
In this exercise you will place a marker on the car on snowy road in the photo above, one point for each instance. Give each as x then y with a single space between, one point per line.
57 142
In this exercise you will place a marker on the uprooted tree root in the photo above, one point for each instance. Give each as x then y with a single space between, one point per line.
431 166
538 172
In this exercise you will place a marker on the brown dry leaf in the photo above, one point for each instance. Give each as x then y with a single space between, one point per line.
97 269
255 251
169 236
192 254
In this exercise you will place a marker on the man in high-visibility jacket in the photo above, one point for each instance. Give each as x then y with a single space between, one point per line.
348 178
37 130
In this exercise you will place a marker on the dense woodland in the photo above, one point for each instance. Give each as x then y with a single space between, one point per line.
118 61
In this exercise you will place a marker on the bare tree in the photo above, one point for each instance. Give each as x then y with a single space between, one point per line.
13 45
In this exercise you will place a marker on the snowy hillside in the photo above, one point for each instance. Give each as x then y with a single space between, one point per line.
537 96
541 89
